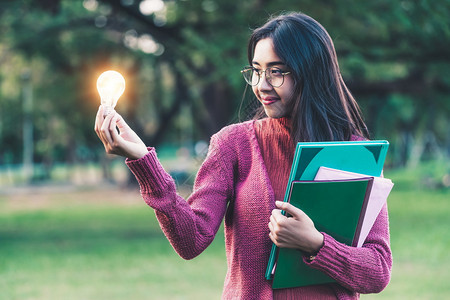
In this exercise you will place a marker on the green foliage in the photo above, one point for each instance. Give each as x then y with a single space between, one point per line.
393 55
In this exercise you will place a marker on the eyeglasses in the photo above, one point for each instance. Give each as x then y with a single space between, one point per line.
274 76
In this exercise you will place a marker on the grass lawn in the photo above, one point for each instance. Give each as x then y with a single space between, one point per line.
106 244
420 239
96 244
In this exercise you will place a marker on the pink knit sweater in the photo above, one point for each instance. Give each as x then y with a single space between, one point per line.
234 183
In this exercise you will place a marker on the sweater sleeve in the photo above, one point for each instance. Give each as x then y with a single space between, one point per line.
366 269
190 226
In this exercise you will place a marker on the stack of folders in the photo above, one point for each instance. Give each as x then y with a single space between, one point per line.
342 203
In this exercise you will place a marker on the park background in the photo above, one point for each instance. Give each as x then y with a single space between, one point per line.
72 224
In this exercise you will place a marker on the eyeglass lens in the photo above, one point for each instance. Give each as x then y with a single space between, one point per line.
274 76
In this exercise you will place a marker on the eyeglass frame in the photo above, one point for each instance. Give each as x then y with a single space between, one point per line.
268 77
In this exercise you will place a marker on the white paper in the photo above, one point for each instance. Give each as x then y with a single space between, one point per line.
378 196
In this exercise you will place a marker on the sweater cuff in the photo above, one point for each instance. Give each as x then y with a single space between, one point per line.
149 173
332 255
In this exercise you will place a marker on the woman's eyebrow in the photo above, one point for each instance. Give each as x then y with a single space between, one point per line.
270 64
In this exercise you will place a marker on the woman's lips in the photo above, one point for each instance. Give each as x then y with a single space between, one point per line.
268 100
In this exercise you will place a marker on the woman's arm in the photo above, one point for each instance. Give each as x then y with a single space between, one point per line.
366 269
190 225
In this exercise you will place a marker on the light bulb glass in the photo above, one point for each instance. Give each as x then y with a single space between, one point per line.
110 86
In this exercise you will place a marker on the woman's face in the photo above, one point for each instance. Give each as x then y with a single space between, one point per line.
275 100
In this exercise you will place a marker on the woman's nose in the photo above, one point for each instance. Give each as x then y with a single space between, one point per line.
264 84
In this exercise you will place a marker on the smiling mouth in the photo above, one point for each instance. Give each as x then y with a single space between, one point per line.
268 101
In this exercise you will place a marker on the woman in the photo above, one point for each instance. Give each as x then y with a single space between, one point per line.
295 75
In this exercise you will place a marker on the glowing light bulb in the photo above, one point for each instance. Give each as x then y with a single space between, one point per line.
110 86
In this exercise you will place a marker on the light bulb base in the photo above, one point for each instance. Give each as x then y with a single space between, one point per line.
107 110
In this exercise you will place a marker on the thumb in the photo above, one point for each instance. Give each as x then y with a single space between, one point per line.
295 212
120 122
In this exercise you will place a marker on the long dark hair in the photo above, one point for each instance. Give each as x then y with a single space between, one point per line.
323 108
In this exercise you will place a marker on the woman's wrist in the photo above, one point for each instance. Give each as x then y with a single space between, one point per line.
316 245
138 153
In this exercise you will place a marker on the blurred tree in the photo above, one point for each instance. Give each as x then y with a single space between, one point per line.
176 54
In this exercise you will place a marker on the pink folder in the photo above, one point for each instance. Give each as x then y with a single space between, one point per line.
378 197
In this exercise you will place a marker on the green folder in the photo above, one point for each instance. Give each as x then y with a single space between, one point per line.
363 157
337 208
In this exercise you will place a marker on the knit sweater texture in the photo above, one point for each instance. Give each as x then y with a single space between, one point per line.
234 185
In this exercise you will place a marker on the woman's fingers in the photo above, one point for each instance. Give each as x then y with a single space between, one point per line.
114 135
295 212
117 137
106 130
297 231
98 120
121 124
276 218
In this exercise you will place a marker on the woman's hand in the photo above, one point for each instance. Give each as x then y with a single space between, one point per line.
296 232
124 142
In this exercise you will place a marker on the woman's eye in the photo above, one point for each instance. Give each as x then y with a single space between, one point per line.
276 72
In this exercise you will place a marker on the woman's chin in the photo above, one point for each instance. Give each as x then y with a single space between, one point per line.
273 113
